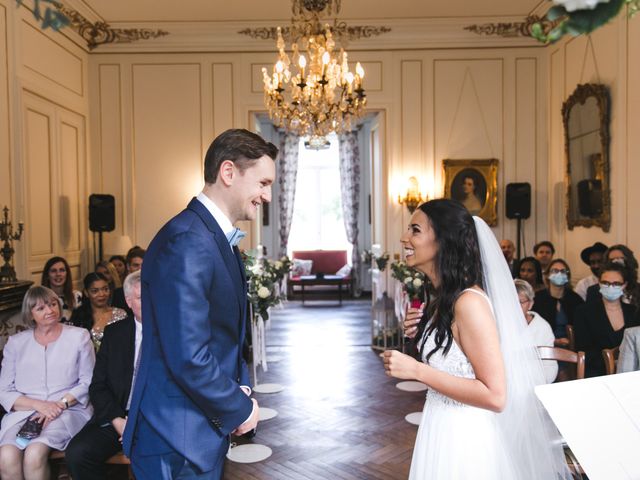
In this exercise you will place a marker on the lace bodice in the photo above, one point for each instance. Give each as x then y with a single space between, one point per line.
455 362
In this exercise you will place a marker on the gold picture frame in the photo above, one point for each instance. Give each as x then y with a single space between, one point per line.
480 194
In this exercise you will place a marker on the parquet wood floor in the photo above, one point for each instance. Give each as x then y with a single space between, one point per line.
340 417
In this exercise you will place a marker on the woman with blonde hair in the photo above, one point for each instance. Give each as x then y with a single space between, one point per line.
45 377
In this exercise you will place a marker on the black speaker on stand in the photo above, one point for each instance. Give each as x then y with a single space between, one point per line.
102 217
518 206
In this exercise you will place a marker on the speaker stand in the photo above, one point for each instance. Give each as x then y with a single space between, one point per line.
100 257
519 235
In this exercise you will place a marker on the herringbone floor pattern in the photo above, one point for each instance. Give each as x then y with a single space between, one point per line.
340 416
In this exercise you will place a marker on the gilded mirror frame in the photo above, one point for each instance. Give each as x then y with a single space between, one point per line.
579 97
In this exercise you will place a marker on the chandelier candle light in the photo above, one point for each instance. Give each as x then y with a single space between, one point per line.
320 94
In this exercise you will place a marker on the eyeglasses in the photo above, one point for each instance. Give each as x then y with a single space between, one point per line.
524 302
611 284
558 270
94 291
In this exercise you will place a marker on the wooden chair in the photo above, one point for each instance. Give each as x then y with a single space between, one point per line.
572 338
610 356
564 355
118 459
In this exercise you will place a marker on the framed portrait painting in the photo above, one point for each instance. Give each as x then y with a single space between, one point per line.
474 183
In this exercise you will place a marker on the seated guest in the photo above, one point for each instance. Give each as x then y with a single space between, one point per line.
592 256
110 392
508 250
557 304
544 252
109 271
538 327
56 275
600 323
531 271
135 257
45 376
629 359
624 256
120 263
96 313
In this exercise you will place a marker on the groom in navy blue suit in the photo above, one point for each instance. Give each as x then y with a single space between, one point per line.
191 389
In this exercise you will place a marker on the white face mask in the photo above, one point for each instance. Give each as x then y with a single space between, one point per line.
611 292
559 279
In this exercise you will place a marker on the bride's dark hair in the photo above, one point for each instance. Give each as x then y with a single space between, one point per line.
457 266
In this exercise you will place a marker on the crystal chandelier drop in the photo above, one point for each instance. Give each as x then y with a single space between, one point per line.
311 91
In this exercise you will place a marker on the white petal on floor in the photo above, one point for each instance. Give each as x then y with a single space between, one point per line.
411 386
268 388
414 418
249 453
267 413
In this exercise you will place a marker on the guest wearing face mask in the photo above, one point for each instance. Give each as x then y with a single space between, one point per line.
622 255
600 323
557 304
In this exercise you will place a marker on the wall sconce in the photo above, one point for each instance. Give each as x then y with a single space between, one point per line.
413 197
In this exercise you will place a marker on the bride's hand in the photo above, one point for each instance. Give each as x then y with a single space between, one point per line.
414 315
399 365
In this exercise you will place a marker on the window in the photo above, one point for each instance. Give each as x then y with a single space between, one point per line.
317 213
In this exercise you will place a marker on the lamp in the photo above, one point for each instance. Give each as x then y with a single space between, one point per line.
413 197
322 95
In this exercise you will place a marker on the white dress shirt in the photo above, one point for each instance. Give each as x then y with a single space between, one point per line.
138 342
543 336
584 284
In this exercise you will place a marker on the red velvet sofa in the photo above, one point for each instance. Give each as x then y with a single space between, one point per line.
323 271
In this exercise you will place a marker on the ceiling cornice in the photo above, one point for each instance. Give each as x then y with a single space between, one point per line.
422 33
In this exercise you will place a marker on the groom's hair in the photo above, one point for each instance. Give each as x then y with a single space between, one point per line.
238 145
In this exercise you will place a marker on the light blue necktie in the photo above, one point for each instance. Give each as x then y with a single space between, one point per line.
234 236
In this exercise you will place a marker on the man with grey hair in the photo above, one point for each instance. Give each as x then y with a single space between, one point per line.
110 391
538 328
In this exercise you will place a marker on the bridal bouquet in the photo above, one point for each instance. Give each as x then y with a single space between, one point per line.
413 281
576 17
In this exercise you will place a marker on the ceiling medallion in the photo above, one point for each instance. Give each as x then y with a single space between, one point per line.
311 90
513 29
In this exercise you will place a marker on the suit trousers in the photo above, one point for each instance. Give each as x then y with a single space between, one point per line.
168 466
87 452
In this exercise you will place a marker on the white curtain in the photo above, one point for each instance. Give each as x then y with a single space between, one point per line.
350 194
287 170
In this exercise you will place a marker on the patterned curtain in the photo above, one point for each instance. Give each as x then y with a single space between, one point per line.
287 170
350 193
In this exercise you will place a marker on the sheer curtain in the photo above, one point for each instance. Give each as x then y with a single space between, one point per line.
350 190
287 170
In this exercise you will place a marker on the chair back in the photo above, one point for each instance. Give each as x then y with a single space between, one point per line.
610 355
564 355
571 337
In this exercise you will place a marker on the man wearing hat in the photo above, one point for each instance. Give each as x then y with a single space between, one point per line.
592 256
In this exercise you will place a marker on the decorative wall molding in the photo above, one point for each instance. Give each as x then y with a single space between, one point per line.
404 34
101 33
340 29
512 29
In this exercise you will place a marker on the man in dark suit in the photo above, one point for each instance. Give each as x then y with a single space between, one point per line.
110 392
192 389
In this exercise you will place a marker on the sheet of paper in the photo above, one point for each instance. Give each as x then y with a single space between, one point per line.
600 420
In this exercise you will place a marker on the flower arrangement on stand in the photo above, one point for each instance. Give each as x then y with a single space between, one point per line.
577 17
263 292
381 261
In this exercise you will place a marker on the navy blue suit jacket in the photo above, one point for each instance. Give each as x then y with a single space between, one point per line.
193 309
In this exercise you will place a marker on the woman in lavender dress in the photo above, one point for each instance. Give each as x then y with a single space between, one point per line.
46 372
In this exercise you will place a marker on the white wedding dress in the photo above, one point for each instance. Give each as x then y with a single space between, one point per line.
457 441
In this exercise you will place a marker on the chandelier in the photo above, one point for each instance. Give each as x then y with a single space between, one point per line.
311 91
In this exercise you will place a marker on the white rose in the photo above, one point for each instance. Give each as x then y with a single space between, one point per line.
572 5
263 292
417 282
256 269
408 280
278 265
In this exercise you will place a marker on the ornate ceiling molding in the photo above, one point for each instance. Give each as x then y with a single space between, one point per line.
512 29
339 30
101 33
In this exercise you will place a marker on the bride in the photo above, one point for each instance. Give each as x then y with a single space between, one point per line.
481 419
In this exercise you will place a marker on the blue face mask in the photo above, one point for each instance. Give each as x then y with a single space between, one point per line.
559 279
611 292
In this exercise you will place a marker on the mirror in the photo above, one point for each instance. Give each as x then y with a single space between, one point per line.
585 115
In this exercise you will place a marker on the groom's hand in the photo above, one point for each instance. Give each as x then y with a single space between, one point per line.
251 423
